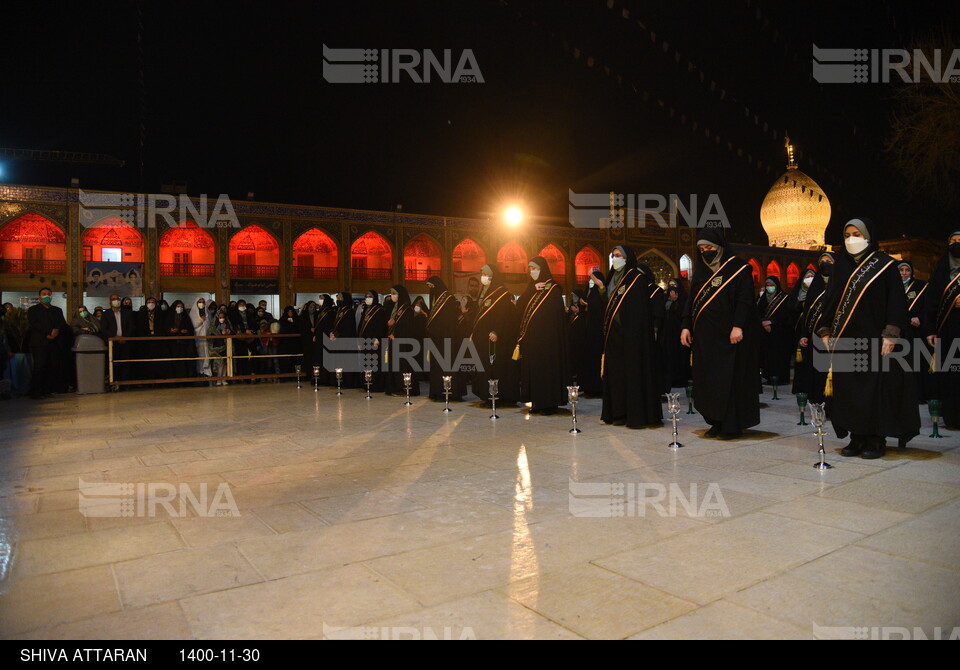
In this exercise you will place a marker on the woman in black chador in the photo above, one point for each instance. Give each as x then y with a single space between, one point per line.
179 325
777 337
494 334
344 326
808 377
401 334
632 376
576 334
325 320
676 357
541 345
864 303
942 328
372 331
442 327
722 327
592 307
796 303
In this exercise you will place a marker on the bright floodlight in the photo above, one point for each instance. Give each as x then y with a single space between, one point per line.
513 216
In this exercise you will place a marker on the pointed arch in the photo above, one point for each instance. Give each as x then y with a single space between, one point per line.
663 268
468 256
773 270
113 233
315 256
793 275
755 270
556 261
686 267
254 252
421 258
512 259
32 243
187 250
585 260
371 257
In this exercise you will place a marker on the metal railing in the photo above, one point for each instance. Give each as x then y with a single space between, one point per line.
187 269
419 275
314 272
25 265
269 271
371 273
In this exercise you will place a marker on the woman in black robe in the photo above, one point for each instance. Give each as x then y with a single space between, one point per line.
179 325
344 326
592 307
421 314
290 346
796 302
373 328
676 357
778 333
576 334
401 333
308 329
865 302
916 292
722 327
494 333
809 378
942 329
326 316
632 376
541 344
442 334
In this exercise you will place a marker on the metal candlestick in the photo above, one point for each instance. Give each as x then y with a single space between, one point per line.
494 387
774 381
673 406
802 403
316 377
818 415
339 373
934 407
407 382
368 379
689 390
297 369
447 383
573 395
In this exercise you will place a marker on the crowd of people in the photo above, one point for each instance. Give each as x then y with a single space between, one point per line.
623 337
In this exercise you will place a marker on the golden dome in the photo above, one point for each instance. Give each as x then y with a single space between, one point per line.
796 211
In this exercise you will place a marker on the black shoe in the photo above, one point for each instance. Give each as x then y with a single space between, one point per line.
855 448
713 432
875 449
731 436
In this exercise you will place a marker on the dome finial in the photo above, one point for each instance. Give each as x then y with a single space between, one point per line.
791 163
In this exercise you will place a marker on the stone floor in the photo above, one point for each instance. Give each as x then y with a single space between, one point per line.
359 518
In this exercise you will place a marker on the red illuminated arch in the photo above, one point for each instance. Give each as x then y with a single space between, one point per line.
755 268
315 256
793 275
586 259
512 259
468 256
558 264
773 270
254 253
371 257
113 233
32 243
421 258
187 250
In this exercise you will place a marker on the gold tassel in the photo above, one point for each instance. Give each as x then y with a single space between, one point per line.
516 352
386 356
691 358
828 388
799 355
933 363
603 362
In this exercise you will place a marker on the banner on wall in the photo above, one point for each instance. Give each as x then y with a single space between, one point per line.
467 283
254 286
104 279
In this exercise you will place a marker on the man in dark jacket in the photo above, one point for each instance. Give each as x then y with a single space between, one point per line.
46 324
118 322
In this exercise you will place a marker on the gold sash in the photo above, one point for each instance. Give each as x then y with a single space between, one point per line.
708 296
535 302
947 300
854 292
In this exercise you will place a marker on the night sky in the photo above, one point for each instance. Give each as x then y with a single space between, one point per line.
233 100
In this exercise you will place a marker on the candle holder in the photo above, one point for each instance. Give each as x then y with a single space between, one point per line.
573 395
339 374
407 382
297 369
494 387
447 384
818 415
673 406
368 379
689 391
802 404
774 381
316 377
934 406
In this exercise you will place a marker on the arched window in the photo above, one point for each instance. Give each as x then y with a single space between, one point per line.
421 259
371 258
662 268
586 259
468 256
32 243
315 256
773 270
512 259
187 250
254 253
556 261
686 267
755 269
113 240
793 274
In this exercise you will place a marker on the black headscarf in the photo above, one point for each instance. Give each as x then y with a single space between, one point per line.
631 262
438 288
375 295
402 294
945 265
545 274
345 299
681 291
594 293
715 236
845 263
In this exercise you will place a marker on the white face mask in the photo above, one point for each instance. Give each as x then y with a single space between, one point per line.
179 310
807 281
395 297
534 274
151 306
771 289
115 303
242 308
856 245
485 280
321 302
416 309
590 283
369 301
618 262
